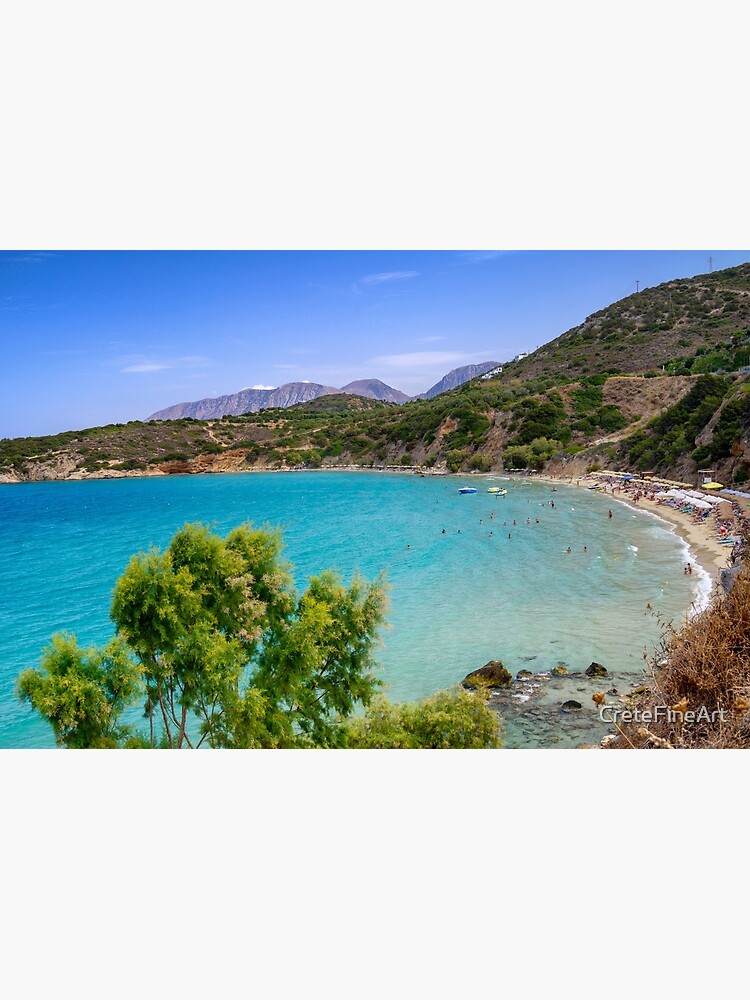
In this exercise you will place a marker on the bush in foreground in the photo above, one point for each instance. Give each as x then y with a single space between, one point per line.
698 696
454 720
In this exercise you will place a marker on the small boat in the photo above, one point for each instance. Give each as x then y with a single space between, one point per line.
497 490
467 489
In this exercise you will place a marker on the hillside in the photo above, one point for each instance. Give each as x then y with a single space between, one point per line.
554 409
690 325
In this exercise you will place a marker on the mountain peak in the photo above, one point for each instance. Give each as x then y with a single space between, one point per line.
373 388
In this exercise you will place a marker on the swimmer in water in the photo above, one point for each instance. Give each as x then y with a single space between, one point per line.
568 550
609 514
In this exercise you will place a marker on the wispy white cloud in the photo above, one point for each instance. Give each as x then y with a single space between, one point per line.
429 340
31 257
145 368
427 359
192 360
478 256
60 352
387 276
143 363
416 371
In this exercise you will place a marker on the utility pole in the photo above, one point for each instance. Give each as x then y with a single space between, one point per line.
710 264
636 286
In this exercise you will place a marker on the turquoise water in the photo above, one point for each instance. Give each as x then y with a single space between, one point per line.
457 599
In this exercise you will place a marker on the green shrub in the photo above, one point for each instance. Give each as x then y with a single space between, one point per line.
454 459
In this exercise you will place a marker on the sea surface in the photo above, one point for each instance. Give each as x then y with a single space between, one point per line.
465 587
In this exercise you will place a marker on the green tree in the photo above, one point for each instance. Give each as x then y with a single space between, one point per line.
83 692
454 459
226 652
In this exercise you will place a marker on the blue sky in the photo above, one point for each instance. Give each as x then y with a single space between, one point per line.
95 337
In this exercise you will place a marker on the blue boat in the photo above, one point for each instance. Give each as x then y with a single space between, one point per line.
467 489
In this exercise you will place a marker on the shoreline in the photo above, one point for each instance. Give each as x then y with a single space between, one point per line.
710 555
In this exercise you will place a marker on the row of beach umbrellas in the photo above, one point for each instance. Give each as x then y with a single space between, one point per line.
689 497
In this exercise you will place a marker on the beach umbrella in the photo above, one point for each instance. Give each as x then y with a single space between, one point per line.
713 486
701 504
662 494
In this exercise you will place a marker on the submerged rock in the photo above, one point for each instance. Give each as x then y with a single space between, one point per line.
559 670
596 670
524 673
491 675
571 706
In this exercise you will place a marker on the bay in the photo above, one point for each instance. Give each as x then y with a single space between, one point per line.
461 590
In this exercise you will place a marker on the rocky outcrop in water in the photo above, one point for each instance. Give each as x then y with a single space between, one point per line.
491 675
596 670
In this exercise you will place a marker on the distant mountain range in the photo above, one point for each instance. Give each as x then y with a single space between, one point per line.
291 393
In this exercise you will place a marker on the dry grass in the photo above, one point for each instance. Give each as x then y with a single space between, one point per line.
704 665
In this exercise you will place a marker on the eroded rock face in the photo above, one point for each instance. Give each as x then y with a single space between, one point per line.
55 467
491 675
